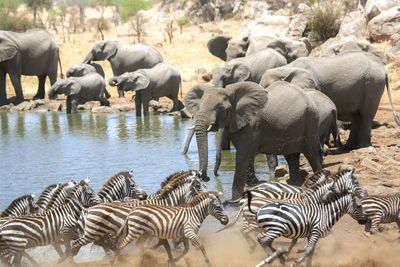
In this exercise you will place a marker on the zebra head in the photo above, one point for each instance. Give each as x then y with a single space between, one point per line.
135 191
345 182
316 178
85 194
216 209
355 210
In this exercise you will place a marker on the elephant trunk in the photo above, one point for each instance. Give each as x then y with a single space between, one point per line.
202 146
52 93
188 140
218 152
88 59
113 81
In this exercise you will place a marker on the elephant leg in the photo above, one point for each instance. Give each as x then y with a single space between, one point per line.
352 141
146 107
3 93
244 157
104 102
16 82
121 93
53 77
226 141
272 162
251 179
40 92
138 104
294 169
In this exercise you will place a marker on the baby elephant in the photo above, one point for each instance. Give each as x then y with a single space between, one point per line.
79 90
79 70
163 79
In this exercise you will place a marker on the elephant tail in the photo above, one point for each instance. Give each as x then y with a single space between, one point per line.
59 62
389 92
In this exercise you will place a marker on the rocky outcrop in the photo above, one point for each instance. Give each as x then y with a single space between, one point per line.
374 7
387 23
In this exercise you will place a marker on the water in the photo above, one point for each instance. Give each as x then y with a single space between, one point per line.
38 149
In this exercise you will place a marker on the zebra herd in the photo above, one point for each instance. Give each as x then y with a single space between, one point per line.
73 214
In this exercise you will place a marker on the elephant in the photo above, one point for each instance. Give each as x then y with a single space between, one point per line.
163 79
79 70
79 90
227 48
124 58
282 120
249 68
31 53
355 82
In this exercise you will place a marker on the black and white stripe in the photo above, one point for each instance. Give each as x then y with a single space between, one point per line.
46 196
166 222
381 209
107 219
23 232
20 206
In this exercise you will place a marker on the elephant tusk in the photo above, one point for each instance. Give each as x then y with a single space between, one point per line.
209 128
191 128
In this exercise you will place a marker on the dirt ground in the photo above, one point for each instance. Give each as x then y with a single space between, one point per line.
377 167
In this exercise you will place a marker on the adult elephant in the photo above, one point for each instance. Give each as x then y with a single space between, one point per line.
355 82
249 68
124 58
282 121
79 90
228 48
163 79
31 53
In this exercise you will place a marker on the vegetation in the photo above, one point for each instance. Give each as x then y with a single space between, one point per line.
324 20
36 5
182 21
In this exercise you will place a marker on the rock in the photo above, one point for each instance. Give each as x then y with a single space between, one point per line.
155 105
175 113
124 107
103 109
280 171
371 165
24 106
6 107
387 23
162 111
369 149
354 24
42 109
54 105
344 167
374 7
297 25
40 102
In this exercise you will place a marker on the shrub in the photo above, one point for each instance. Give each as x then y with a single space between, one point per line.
182 21
17 23
324 21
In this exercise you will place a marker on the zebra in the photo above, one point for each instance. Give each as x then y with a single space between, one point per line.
59 195
381 209
41 229
104 220
300 220
45 197
119 186
166 222
20 206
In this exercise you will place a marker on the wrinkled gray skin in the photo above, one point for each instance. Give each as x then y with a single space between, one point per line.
227 48
354 81
347 45
80 90
31 53
124 58
257 123
79 70
249 68
163 79
304 79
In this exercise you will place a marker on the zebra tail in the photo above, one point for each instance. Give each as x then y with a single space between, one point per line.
249 197
232 223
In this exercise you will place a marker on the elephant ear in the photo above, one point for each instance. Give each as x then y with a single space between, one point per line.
247 100
141 82
109 48
8 49
72 88
241 72
218 45
279 46
193 97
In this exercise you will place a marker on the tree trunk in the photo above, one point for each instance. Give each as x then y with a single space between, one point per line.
34 15
82 17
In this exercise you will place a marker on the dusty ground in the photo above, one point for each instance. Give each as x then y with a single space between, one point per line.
377 167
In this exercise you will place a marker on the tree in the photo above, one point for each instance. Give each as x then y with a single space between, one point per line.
129 8
9 6
38 4
182 21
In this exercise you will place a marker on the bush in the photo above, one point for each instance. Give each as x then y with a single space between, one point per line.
182 21
324 21
17 23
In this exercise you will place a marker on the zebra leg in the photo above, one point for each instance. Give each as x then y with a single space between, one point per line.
185 249
309 252
29 258
375 224
266 242
165 244
58 249
17 259
196 243
292 244
367 228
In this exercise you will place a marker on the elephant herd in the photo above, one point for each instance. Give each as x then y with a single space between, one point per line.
269 96
137 68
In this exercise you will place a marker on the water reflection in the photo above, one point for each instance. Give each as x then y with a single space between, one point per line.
20 126
55 122
44 129
4 123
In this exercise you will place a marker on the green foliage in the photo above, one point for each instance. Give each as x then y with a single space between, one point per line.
183 20
38 3
17 23
10 5
129 8
324 22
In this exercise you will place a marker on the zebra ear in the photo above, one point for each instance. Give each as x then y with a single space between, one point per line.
33 195
220 194
87 179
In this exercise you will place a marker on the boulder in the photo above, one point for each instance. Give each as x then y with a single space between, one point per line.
354 24
24 106
103 109
374 7
386 24
298 22
54 105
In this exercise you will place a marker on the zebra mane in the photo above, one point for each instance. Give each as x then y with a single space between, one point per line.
176 183
111 181
173 177
316 178
15 202
200 197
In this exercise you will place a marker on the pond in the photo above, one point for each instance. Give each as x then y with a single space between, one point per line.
38 149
